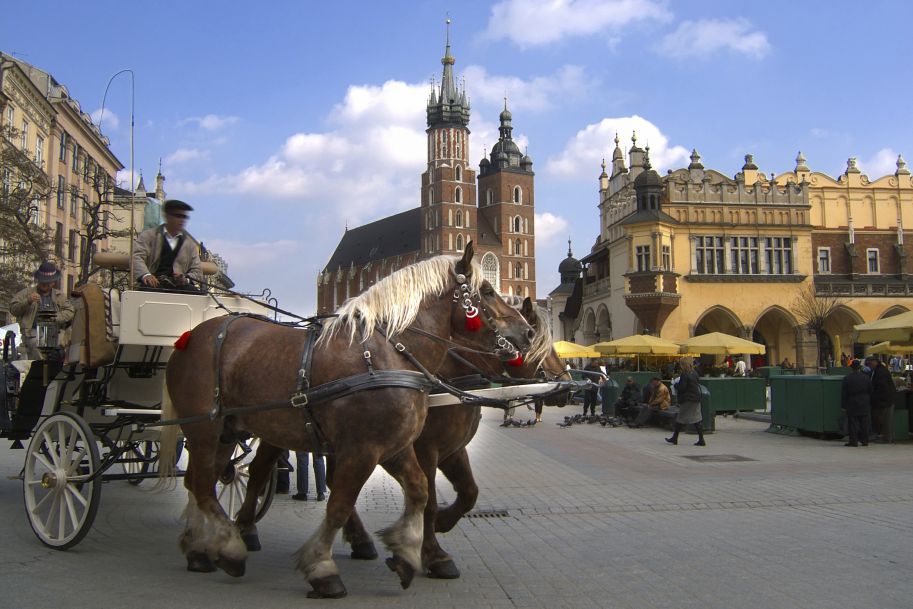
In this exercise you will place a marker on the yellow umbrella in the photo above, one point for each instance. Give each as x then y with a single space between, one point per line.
887 348
898 328
566 349
717 343
640 344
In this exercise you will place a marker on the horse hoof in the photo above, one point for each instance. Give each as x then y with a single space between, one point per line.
446 569
403 569
199 562
232 566
364 550
252 542
330 586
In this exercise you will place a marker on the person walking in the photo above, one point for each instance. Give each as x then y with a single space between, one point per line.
855 399
591 394
688 390
301 476
882 399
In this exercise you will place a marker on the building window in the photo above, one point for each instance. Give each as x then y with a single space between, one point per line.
73 243
63 147
518 195
517 247
74 201
489 197
871 256
459 220
61 192
824 260
58 239
9 116
490 270
518 271
39 152
709 255
75 157
36 205
459 243
517 225
430 195
459 174
642 256
743 255
458 194
24 137
667 258
85 169
779 252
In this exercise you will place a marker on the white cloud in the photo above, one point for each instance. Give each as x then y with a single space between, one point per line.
182 155
549 226
583 154
536 94
243 257
106 118
708 36
883 163
530 23
210 122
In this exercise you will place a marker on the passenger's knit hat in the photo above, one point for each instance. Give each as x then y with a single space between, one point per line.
47 273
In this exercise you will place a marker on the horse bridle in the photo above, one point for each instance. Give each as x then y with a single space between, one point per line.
463 296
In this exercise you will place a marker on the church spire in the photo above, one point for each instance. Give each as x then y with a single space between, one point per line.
450 106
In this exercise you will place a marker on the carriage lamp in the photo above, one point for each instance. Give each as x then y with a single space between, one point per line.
46 331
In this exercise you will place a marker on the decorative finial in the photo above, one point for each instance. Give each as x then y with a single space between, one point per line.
800 162
851 165
569 254
603 164
448 28
634 138
616 139
902 166
160 165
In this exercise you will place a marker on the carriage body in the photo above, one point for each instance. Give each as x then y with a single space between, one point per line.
92 418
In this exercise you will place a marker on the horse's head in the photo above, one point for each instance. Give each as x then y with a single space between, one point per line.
543 361
480 314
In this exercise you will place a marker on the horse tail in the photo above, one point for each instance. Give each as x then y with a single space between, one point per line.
168 441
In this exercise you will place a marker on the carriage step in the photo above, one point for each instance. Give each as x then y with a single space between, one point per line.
115 412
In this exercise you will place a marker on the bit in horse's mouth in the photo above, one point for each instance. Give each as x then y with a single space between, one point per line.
508 354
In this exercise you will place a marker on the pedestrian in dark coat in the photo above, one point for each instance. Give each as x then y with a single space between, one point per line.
856 392
882 398
688 391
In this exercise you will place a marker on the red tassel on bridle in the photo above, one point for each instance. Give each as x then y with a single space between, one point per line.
473 323
517 361
181 343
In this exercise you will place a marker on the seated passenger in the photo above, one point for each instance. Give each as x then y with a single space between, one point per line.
627 403
168 256
43 296
659 400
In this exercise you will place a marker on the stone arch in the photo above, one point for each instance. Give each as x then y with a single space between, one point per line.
838 327
777 328
603 322
893 310
718 319
588 326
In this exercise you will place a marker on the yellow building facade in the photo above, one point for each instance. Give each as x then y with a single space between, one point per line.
695 251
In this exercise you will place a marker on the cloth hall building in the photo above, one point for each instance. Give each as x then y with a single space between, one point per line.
494 209
696 251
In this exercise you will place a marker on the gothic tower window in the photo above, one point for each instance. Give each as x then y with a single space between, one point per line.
459 243
518 195
517 225
489 197
459 174
517 247
458 194
490 270
518 271
443 144
459 221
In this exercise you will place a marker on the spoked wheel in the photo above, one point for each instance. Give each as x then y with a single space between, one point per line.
232 486
60 499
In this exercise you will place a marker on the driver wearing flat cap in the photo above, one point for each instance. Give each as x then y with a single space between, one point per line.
168 256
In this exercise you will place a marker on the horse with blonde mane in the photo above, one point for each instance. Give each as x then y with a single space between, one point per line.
230 375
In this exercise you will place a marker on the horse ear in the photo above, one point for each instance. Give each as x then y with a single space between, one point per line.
527 308
464 266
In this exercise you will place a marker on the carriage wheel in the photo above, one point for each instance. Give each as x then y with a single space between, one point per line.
232 486
60 500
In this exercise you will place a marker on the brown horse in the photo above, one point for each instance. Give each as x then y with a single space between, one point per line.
422 309
442 445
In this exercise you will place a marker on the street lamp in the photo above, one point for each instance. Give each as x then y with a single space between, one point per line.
132 169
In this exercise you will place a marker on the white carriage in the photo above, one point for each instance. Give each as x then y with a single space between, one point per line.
99 408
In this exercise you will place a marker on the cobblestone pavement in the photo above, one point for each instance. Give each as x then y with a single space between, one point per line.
578 517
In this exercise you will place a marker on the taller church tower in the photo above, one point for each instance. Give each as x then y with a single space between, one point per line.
448 210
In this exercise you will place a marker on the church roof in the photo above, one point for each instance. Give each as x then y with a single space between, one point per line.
391 236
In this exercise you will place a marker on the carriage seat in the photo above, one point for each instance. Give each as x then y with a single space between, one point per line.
96 325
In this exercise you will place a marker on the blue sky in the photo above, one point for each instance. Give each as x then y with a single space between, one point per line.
282 122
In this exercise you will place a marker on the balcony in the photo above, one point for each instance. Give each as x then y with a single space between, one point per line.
600 287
